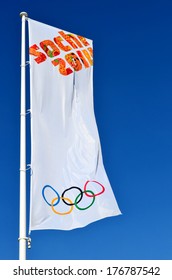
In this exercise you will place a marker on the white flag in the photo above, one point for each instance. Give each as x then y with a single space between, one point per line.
69 185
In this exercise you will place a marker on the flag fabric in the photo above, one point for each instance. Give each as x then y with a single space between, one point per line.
69 185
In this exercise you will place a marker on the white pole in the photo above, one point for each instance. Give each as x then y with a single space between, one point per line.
22 222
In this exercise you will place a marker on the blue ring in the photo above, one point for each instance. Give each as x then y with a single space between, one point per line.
43 194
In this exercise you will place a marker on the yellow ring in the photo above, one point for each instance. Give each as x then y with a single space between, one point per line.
60 213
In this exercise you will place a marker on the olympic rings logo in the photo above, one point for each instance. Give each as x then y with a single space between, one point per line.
56 200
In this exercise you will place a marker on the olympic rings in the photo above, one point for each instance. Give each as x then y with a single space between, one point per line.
43 194
103 188
68 201
69 204
62 213
76 202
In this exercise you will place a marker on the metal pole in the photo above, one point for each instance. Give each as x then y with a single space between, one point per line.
22 222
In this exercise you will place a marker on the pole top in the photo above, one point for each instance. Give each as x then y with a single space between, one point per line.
23 14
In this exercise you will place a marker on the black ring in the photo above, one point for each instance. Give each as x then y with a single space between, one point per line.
73 187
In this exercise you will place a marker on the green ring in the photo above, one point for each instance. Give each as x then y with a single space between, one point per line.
76 200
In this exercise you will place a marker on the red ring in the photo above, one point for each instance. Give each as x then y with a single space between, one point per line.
103 189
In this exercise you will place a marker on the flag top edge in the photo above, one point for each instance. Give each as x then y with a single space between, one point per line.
50 26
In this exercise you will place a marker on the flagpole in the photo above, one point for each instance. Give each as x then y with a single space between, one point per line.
22 221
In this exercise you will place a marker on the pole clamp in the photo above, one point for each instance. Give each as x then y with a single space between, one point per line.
28 239
28 168
27 112
26 63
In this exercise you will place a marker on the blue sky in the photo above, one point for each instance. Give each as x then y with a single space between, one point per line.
132 101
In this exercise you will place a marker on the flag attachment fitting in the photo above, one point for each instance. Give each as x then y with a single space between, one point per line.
28 239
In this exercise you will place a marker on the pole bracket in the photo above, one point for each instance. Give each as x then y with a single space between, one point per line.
27 112
24 170
26 63
28 239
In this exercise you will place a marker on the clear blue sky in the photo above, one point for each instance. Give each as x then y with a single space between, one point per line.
133 108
